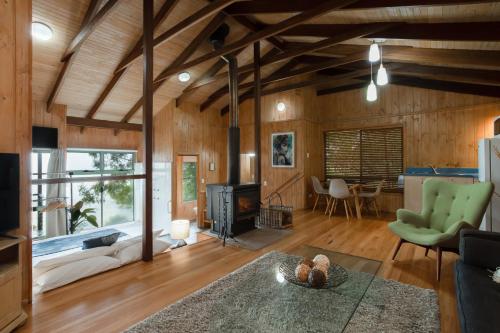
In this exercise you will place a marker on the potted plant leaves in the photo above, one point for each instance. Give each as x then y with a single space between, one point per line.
79 216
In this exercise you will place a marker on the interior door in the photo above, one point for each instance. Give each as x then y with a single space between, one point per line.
186 195
162 196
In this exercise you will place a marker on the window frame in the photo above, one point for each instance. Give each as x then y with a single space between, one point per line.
360 179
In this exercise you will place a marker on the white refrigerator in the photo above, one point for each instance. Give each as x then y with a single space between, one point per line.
489 171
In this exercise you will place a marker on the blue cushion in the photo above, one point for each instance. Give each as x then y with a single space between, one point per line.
107 240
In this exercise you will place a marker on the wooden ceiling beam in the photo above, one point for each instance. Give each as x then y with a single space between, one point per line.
467 31
91 20
225 89
294 6
263 34
457 87
341 88
207 11
461 75
250 92
89 26
185 54
303 49
84 122
160 17
485 60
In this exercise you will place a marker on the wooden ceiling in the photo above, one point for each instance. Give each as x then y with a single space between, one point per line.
93 62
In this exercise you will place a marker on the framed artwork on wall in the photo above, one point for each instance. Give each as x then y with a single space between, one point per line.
283 150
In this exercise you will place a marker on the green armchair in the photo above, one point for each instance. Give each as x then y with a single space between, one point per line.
446 209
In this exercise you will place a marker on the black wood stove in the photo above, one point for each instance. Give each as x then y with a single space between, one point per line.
233 207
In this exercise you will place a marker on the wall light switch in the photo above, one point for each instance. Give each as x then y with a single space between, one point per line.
264 183
307 155
203 180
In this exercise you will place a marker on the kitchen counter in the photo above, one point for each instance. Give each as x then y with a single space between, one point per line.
442 172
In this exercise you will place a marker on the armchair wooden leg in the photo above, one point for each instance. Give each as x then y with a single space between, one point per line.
438 263
316 202
335 201
426 251
400 242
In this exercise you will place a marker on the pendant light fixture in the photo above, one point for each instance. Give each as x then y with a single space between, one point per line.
374 54
371 92
382 78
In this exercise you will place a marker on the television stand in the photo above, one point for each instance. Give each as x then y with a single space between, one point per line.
11 312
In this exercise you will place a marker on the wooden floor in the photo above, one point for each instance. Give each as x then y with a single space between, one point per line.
113 301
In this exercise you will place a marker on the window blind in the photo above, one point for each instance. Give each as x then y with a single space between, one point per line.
365 156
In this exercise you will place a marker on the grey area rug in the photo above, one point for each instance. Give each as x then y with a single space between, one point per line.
251 300
255 239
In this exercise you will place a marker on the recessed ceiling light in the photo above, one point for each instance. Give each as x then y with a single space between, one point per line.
41 31
281 106
184 76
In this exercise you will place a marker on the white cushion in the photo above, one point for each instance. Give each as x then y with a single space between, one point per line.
131 241
70 272
48 264
133 252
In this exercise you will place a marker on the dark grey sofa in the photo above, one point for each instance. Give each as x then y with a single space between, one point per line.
478 297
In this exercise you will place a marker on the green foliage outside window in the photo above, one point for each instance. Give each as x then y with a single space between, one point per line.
121 191
189 191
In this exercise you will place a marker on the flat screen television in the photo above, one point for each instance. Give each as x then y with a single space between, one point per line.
44 137
9 192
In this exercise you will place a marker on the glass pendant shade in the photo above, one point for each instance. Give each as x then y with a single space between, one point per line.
371 92
374 54
382 78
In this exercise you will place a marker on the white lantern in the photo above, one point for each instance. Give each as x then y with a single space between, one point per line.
382 78
374 54
371 93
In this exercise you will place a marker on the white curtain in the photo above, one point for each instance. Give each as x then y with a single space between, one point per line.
56 193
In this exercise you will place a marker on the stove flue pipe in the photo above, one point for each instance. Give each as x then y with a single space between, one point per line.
233 134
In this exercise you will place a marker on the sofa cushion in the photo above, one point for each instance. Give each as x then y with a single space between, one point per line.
107 240
48 264
133 252
478 299
71 272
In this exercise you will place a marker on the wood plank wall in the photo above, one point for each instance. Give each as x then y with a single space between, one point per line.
15 110
184 130
440 128
298 117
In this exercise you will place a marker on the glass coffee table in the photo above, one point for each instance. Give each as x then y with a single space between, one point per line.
344 299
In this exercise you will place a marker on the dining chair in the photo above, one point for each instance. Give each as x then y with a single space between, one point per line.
370 198
339 191
320 192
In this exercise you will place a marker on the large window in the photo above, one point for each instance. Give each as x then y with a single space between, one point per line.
113 201
365 156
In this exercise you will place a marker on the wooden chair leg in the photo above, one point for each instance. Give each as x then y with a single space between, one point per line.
346 210
397 248
332 206
329 200
350 209
336 201
426 251
438 263
377 211
316 202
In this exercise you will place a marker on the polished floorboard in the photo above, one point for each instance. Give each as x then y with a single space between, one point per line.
115 300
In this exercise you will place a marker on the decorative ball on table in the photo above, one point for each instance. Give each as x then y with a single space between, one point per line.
302 272
317 278
322 260
322 267
308 262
